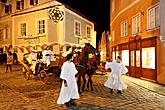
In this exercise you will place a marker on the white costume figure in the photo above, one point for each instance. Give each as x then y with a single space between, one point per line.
115 80
48 56
32 59
69 89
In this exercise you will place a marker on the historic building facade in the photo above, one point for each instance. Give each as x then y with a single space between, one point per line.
27 25
136 35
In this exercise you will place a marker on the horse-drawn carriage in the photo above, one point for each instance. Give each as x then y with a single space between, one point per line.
84 65
37 68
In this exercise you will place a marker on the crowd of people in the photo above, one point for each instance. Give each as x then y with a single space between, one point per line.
8 59
69 88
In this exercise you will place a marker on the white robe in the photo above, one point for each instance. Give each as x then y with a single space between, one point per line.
32 59
71 91
115 80
48 59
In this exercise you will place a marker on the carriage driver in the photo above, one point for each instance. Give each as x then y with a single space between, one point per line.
48 56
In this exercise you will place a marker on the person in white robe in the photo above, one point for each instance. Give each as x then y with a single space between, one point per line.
32 59
48 56
115 80
69 89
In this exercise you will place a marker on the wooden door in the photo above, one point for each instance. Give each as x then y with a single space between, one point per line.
135 59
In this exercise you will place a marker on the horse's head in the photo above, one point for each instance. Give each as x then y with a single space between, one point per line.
89 48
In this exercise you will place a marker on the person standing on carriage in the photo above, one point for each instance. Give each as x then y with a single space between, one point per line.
69 89
47 56
115 80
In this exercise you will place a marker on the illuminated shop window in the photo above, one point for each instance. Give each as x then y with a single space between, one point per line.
132 58
148 57
125 57
138 58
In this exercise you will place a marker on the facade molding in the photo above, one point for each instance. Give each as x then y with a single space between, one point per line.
125 9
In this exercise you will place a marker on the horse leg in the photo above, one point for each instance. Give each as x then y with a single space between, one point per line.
84 82
90 81
79 84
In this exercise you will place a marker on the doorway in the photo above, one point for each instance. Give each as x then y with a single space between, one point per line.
135 56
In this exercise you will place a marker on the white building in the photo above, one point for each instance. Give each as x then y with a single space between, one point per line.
26 25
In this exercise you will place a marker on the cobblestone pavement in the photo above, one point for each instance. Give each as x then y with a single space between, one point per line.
17 93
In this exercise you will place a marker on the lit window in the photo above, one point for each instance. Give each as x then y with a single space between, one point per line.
88 31
124 29
41 27
77 28
136 24
20 5
153 17
23 29
33 2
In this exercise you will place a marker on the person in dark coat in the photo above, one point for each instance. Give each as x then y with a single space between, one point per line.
9 62
15 58
4 57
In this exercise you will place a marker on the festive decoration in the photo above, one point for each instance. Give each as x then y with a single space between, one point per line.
134 38
56 14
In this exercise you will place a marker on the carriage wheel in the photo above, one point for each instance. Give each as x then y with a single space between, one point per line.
42 74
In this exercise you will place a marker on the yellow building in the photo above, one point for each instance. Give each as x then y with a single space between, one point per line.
137 35
27 25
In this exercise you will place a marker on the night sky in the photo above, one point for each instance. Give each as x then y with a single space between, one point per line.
96 10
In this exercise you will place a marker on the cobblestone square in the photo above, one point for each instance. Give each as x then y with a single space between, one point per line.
17 93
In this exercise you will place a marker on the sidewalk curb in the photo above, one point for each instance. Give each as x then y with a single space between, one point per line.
150 89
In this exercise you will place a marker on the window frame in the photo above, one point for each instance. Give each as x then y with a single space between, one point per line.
88 35
20 29
149 27
75 33
20 5
137 24
37 27
33 2
124 28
